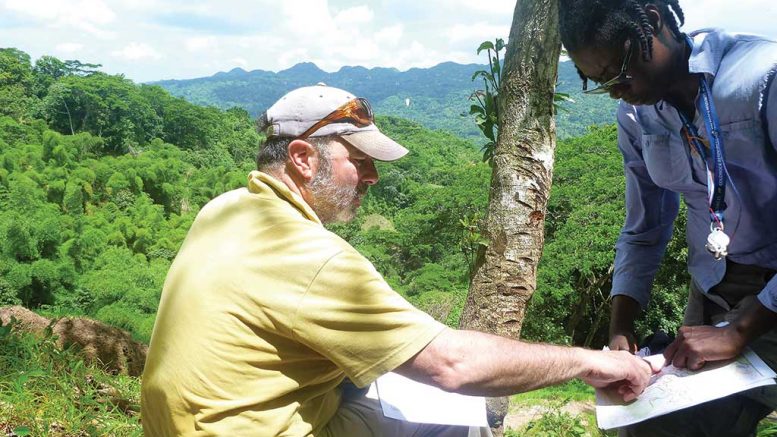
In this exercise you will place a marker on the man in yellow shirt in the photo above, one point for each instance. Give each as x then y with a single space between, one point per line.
265 312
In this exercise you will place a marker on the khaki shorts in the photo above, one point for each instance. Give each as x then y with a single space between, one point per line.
363 417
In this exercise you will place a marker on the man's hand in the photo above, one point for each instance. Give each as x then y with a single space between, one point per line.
618 370
696 345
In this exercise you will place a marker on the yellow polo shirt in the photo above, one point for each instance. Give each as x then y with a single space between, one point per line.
262 315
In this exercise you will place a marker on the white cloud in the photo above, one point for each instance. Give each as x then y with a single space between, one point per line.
139 37
359 15
139 5
87 15
94 11
477 33
135 51
749 16
390 36
68 48
308 19
242 62
197 44
498 7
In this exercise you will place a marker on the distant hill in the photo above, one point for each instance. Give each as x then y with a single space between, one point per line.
437 96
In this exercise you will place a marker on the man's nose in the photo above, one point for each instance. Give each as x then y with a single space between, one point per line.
370 173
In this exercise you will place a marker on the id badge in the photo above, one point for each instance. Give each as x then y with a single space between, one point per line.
717 243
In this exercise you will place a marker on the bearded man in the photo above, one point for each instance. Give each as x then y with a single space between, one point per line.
266 315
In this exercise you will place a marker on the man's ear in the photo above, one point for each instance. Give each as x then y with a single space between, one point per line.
303 159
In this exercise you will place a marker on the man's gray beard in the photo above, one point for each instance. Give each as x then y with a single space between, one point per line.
332 203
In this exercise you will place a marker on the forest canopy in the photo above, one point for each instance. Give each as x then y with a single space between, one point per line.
100 179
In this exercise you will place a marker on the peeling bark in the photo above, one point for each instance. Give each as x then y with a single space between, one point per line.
504 277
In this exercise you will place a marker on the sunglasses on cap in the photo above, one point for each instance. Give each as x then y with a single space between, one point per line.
356 112
621 78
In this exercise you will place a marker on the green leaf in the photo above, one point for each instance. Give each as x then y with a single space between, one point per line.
490 130
474 109
485 45
563 97
490 103
500 44
478 73
559 98
22 431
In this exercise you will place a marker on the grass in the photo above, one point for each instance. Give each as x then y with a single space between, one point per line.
554 421
46 391
574 390
767 428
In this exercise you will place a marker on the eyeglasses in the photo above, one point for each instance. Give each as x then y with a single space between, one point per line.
357 112
621 78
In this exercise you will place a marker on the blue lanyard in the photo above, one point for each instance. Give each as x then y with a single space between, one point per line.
716 180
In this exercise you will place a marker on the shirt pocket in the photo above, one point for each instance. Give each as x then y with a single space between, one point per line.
667 162
743 143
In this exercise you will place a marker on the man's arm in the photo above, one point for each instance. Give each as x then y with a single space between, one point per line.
475 363
622 316
696 345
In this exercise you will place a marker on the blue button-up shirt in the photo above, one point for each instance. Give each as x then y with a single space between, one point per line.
659 166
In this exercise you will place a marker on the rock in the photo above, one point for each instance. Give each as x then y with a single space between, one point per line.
110 347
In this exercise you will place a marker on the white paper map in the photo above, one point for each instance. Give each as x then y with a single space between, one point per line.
404 399
673 389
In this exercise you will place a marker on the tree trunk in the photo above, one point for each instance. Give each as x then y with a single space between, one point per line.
601 310
505 274
579 309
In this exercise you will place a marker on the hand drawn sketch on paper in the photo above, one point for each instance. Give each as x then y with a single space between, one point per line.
673 389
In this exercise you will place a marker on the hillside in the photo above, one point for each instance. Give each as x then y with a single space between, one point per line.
101 178
437 96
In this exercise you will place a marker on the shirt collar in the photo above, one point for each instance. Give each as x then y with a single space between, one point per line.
264 184
709 46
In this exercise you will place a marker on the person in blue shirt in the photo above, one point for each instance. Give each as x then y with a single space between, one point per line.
697 119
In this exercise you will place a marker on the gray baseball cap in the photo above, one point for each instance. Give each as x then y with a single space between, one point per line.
301 108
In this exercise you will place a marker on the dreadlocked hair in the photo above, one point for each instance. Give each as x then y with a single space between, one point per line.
608 23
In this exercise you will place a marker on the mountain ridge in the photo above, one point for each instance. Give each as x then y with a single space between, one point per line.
437 97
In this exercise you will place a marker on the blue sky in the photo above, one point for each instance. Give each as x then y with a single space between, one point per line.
177 39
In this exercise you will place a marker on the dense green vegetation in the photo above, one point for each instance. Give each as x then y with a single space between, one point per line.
94 200
100 179
94 213
437 97
585 213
